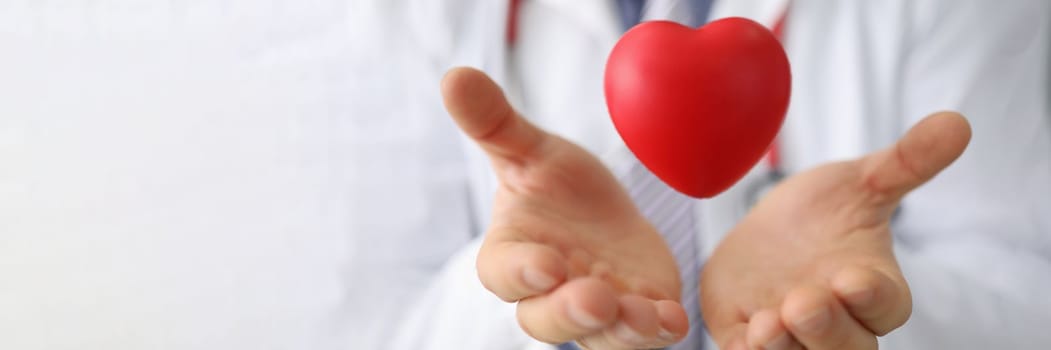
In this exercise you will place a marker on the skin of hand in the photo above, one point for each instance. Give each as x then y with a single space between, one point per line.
812 265
566 242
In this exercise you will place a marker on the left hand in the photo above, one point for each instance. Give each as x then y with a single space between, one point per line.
812 265
565 243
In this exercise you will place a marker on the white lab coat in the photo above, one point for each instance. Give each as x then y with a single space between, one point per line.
974 244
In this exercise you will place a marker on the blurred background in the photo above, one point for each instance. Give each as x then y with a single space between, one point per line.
219 174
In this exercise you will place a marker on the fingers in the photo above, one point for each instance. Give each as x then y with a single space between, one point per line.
643 323
858 304
580 307
637 325
588 309
766 332
674 324
878 302
513 270
818 321
928 148
731 337
479 107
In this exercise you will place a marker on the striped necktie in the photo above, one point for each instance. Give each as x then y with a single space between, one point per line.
692 13
672 213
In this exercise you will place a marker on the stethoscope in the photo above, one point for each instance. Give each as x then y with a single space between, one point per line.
756 189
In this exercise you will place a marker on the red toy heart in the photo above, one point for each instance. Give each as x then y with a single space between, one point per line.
698 107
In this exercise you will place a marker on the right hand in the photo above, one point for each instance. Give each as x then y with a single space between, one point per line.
566 242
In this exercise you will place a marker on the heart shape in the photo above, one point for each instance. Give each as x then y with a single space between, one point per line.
698 107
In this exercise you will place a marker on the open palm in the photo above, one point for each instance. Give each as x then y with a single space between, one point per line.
812 265
566 242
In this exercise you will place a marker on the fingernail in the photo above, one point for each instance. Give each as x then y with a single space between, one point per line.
537 279
665 335
627 334
781 342
584 319
814 322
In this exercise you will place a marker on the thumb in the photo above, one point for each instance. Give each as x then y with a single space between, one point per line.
925 150
479 107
